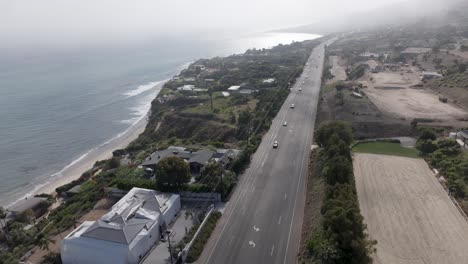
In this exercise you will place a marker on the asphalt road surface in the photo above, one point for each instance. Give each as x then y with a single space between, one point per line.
263 219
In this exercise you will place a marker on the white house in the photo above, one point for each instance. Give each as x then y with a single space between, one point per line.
126 233
234 88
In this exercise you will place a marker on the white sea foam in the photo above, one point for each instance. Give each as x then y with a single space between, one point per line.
59 173
142 88
28 194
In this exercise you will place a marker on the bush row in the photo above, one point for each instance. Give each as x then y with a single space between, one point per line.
205 233
342 236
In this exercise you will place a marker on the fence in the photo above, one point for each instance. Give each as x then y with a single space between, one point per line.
183 255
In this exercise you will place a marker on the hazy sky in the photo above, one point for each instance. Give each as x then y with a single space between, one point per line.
75 21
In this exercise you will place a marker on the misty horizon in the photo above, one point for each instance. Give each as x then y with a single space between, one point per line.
57 24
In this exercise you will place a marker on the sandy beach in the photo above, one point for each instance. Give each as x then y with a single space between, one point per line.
75 169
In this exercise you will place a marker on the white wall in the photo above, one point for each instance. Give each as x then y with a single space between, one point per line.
173 208
83 250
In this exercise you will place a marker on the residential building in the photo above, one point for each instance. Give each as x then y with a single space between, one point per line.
269 80
234 88
126 233
196 159
463 136
430 75
415 51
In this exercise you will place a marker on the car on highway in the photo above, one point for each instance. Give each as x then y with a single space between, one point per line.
275 144
285 123
300 89
303 82
292 106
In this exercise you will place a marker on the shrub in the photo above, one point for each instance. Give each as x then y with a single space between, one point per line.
205 233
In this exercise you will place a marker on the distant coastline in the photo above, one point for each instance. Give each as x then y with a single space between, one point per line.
74 169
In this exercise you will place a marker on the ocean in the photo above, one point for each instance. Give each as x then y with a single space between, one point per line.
56 107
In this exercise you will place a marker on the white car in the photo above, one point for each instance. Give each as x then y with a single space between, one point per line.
275 144
300 89
285 123
292 105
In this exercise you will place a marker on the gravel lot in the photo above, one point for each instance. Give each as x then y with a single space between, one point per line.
391 93
408 212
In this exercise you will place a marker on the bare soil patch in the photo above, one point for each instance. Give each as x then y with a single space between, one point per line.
408 212
338 69
101 208
392 93
366 119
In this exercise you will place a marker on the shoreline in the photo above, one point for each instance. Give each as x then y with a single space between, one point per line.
76 168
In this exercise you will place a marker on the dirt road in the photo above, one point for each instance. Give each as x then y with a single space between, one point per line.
408 212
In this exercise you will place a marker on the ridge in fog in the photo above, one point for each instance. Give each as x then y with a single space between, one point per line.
51 23
391 13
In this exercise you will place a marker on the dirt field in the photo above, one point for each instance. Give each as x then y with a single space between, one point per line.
408 212
391 93
100 209
338 70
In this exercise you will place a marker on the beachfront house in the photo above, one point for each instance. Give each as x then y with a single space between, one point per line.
126 233
197 160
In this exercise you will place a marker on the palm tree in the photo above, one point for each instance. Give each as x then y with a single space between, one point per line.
3 223
43 241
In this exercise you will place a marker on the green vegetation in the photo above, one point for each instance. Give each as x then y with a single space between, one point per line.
356 72
173 173
385 148
446 155
342 237
205 233
203 119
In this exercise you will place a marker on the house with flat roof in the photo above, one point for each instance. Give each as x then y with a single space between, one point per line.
415 50
126 233
427 75
463 136
234 88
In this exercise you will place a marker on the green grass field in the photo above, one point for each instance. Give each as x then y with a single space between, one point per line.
386 148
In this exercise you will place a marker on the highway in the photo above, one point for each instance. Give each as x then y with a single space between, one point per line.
263 219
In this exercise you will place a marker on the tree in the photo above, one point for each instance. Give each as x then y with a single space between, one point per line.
426 146
427 134
52 258
42 241
326 130
3 226
172 173
211 175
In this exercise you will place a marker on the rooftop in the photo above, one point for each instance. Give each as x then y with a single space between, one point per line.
416 50
201 156
234 88
138 210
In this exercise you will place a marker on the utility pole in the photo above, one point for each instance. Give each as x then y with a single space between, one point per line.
222 187
169 234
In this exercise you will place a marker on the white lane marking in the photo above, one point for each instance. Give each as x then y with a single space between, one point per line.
297 189
279 220
256 228
249 177
272 250
285 196
243 211
252 243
